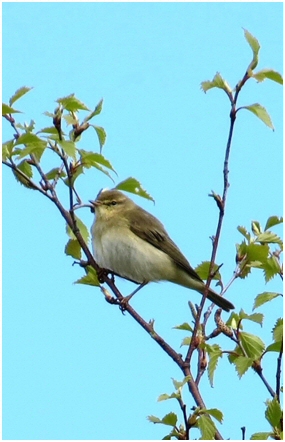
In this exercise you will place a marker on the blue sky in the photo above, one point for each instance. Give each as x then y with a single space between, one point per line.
73 366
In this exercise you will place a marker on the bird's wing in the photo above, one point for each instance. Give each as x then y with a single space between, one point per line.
150 229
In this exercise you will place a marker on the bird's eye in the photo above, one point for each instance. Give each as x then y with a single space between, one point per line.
114 203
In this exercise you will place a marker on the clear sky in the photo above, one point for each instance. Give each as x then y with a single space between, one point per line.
73 366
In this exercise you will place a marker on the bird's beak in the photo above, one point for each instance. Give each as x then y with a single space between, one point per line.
95 203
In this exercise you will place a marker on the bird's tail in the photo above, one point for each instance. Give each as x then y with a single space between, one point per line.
219 300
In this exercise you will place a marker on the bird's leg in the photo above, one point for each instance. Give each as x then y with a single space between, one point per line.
126 299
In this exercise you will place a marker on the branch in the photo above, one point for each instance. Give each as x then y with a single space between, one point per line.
278 372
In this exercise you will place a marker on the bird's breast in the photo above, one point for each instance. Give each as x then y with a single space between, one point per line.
118 249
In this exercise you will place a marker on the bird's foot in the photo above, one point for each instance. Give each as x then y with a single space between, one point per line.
101 273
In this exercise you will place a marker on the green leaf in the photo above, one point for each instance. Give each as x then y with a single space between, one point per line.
29 138
154 419
277 330
169 419
264 297
217 82
256 228
255 46
26 168
275 347
214 352
7 149
19 93
73 249
90 278
273 221
133 186
49 130
48 114
269 237
69 148
9 110
186 341
271 268
261 113
244 232
214 412
89 159
82 228
96 111
252 345
242 364
54 173
184 326
71 103
261 436
270 74
180 384
203 270
273 413
165 397
101 135
255 317
207 427
70 119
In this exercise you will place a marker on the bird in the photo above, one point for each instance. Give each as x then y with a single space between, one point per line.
131 243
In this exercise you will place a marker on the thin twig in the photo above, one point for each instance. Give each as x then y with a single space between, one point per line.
278 372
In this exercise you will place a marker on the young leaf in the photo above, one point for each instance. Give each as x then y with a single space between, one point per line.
261 113
184 326
89 159
273 221
264 297
165 397
275 347
55 172
214 353
261 436
73 249
273 413
270 74
203 270
252 345
26 168
244 232
217 82
277 330
133 186
169 419
180 384
49 130
7 149
101 135
69 148
71 103
90 278
82 228
256 228
154 419
207 427
255 317
271 268
9 110
269 237
217 414
96 111
255 46
18 94
242 364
